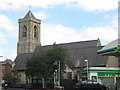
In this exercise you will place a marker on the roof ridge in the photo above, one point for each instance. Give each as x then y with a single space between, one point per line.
71 43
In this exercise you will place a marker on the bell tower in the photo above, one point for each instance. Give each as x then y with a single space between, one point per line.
29 34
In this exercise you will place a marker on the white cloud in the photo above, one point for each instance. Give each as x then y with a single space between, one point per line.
16 4
106 17
7 26
56 33
12 4
2 39
89 5
100 5
114 22
6 23
8 54
61 34
104 33
41 15
1 54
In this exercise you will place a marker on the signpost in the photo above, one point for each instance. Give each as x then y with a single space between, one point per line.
118 48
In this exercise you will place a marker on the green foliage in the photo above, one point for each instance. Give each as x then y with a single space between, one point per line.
57 53
67 83
36 66
41 64
9 77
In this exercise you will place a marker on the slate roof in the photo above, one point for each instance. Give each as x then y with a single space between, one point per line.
88 53
80 44
78 51
20 61
29 15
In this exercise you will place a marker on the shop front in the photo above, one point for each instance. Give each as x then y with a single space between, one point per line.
102 75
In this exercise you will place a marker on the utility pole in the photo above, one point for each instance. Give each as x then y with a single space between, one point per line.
59 74
87 69
43 83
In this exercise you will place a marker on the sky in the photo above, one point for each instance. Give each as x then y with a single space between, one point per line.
62 21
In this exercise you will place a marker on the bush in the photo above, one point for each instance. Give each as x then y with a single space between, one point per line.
17 85
68 83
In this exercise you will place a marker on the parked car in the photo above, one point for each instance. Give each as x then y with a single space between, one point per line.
89 82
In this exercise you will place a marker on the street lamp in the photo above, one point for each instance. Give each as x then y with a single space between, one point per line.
87 69
4 56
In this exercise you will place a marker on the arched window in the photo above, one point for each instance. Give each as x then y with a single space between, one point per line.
19 78
35 31
24 31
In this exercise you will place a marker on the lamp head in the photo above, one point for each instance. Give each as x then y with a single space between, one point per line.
86 60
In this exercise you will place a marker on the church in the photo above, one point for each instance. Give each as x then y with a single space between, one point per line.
101 68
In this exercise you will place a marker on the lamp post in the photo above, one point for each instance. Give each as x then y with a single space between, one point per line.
87 69
4 56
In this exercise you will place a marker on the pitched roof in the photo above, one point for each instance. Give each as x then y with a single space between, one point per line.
88 53
110 48
78 51
80 44
29 15
111 44
20 61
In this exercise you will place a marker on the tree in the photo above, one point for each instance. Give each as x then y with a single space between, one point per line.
57 53
36 66
41 64
9 77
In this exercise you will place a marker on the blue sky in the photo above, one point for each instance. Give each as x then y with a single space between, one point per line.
63 21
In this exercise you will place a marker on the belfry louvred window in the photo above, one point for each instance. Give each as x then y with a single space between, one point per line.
35 31
24 31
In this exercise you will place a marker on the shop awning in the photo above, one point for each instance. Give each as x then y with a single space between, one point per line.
107 50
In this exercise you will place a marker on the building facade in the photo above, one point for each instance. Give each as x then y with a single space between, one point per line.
5 66
29 42
112 49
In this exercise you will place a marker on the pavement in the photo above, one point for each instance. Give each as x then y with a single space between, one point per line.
12 89
23 89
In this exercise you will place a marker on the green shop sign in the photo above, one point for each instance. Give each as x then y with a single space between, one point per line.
84 74
104 74
118 48
94 78
109 50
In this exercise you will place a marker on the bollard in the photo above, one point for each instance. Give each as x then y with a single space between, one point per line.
108 86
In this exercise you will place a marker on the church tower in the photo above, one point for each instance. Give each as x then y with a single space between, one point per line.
29 34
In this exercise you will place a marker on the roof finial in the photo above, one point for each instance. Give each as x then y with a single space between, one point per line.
29 7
